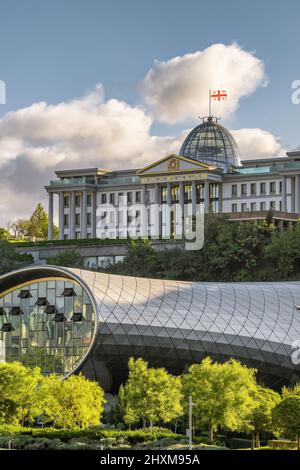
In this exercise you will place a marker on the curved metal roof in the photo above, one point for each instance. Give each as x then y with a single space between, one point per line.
173 323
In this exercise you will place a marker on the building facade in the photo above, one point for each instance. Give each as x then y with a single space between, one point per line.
67 321
161 199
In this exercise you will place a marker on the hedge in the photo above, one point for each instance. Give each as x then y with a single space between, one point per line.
132 436
282 444
82 242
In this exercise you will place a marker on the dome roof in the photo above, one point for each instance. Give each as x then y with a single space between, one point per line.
211 143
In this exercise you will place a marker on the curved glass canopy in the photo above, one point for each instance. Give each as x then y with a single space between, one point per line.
211 143
47 323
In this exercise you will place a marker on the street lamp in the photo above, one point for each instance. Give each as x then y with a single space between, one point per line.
190 422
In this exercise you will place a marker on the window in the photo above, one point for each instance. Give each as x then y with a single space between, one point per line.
138 196
66 220
129 198
77 235
66 201
103 198
120 198
262 206
234 190
89 219
273 205
244 190
262 188
272 187
253 206
77 200
253 189
66 236
147 197
280 186
77 220
244 207
234 208
280 205
112 198
89 200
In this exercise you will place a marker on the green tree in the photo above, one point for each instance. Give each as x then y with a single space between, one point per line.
141 260
287 391
10 259
222 394
261 416
18 393
4 234
150 395
286 416
38 223
73 402
68 258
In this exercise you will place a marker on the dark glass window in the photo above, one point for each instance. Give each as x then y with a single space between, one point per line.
103 198
66 201
77 200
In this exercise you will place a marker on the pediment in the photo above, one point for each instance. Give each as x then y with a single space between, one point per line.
174 164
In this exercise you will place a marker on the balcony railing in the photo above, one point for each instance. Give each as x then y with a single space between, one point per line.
72 181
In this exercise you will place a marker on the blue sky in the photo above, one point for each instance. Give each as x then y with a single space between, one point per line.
56 52
53 51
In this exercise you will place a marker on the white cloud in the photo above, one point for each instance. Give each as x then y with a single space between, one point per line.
177 89
89 131
257 143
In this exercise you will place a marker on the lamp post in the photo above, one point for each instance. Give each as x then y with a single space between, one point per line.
190 422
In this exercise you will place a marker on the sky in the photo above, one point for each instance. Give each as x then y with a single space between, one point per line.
118 84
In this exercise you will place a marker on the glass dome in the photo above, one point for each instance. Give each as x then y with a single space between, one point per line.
211 143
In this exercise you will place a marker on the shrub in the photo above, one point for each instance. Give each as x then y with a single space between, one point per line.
282 445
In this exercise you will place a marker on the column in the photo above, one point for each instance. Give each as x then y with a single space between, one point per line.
50 217
292 194
206 197
144 214
297 194
220 189
168 211
181 205
61 213
194 198
94 218
284 202
72 215
83 214
155 213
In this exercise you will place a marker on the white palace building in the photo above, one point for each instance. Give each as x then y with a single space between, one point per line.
160 199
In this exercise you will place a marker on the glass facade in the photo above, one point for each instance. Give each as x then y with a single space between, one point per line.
48 323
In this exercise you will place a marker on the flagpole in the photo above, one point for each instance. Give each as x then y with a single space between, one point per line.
209 103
